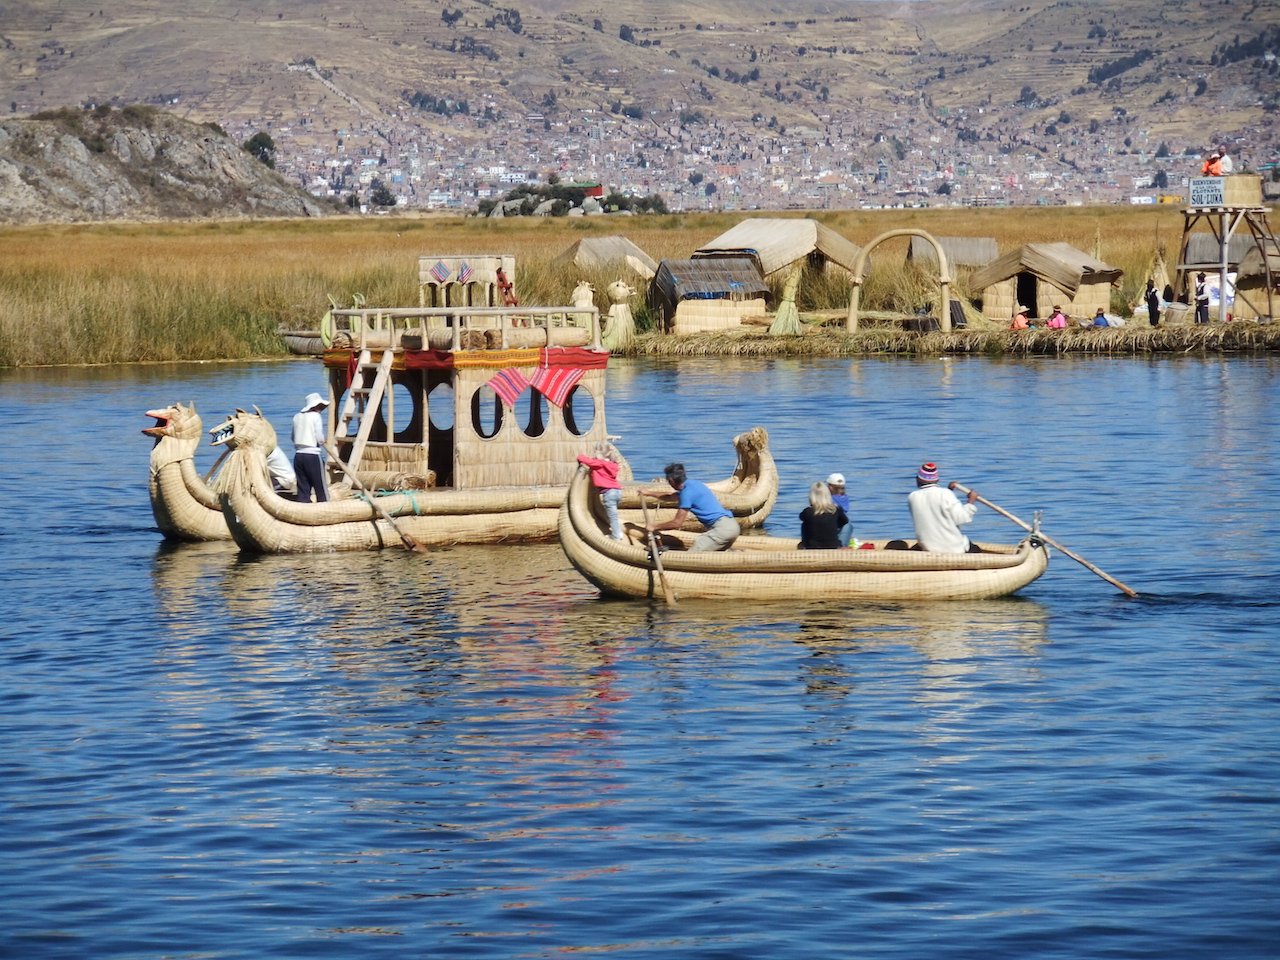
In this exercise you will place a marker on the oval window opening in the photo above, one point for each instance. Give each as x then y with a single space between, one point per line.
440 406
532 412
579 411
396 411
486 412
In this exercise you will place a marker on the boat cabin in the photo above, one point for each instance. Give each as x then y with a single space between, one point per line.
465 397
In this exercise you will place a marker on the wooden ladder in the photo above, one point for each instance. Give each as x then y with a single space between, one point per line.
363 399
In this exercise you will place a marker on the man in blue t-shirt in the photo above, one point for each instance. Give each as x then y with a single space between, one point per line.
694 496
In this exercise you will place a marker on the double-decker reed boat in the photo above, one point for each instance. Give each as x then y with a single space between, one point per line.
460 424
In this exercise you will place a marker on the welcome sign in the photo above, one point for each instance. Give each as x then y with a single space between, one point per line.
1208 192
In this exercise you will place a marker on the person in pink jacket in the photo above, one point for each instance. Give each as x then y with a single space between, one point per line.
1058 320
604 474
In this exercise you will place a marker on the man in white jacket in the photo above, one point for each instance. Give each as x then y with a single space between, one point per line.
938 514
308 449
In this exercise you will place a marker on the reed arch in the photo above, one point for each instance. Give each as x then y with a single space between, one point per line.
944 277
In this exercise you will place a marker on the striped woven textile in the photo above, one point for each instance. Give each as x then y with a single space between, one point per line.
554 383
584 358
509 384
498 359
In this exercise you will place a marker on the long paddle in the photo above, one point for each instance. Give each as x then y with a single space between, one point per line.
657 559
406 541
1053 543
217 464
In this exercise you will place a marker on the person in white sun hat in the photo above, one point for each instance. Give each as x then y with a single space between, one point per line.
308 449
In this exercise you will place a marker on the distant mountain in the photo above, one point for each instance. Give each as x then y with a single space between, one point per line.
138 163
916 76
1178 62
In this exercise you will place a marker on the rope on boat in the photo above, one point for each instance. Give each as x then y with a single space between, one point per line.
413 501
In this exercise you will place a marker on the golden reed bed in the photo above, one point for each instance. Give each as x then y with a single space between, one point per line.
1235 337
115 293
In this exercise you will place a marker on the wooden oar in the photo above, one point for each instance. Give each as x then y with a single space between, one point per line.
408 542
657 559
1053 543
217 464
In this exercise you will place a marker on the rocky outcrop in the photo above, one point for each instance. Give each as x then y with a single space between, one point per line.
134 164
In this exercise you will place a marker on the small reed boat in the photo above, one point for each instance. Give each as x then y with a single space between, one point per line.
774 568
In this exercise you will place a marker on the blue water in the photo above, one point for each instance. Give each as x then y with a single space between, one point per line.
472 755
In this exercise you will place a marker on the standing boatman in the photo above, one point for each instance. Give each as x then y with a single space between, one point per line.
308 449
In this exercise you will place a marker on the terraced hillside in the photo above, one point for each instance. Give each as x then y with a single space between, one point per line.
740 59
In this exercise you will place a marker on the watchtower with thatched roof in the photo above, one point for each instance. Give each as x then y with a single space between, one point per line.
1224 222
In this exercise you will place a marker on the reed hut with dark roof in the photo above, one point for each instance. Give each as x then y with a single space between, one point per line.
709 293
1041 276
603 253
776 244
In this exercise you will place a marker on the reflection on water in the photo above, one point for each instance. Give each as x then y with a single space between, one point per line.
471 754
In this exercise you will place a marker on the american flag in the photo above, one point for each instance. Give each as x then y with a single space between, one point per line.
464 273
440 271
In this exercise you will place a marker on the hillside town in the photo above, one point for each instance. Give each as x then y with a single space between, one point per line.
989 156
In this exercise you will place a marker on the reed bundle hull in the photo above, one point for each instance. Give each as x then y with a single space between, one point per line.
774 568
261 521
184 505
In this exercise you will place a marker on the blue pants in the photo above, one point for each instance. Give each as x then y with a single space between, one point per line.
310 470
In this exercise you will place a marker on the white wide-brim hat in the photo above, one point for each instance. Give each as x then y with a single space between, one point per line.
314 400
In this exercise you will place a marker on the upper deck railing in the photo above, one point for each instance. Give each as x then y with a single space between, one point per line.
463 328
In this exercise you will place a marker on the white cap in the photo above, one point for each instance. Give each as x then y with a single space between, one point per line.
836 479
313 400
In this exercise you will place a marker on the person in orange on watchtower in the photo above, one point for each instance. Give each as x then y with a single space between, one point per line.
1212 166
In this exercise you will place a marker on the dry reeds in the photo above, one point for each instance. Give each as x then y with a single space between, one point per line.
220 290
1236 337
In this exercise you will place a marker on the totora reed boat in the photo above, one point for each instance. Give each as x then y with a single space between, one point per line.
465 421
185 504
774 568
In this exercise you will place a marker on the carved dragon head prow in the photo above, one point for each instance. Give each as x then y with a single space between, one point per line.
178 421
248 430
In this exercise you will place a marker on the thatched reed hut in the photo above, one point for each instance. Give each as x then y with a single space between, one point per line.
776 244
710 293
960 251
604 253
1041 276
1252 298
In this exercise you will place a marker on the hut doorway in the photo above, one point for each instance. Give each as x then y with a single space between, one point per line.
1025 293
